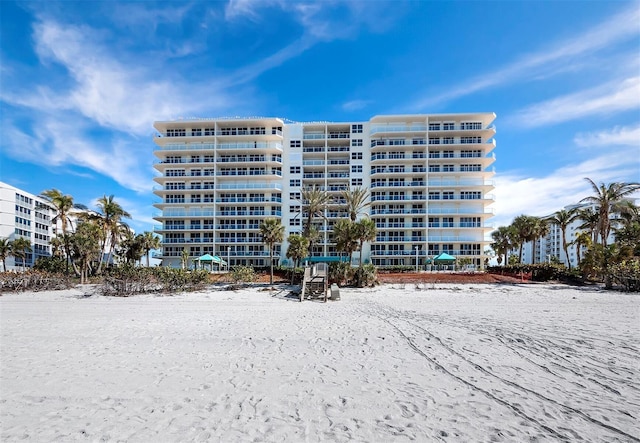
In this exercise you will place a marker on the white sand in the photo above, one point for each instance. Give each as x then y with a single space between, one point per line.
459 363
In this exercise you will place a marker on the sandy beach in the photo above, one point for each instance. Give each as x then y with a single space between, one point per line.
470 363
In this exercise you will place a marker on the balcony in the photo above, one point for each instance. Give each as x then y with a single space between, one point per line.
398 128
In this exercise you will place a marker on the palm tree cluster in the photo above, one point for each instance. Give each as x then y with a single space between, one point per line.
606 211
349 233
94 240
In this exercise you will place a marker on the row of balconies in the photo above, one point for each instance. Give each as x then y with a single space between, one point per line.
423 238
222 254
423 253
223 159
400 169
431 142
430 198
322 135
220 146
434 210
474 126
433 183
224 132
421 155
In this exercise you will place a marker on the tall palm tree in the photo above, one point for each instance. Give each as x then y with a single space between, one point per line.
63 204
20 248
607 199
540 229
502 242
297 250
365 231
589 219
314 203
523 230
5 251
112 214
272 232
345 236
627 234
149 242
583 238
563 218
356 200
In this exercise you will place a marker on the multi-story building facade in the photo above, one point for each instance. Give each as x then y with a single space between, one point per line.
429 179
28 216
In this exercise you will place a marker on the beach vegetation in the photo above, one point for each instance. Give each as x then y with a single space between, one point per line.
64 206
127 279
243 274
272 232
53 264
297 250
34 280
345 236
5 251
314 203
20 247
356 201
365 231
114 229
563 218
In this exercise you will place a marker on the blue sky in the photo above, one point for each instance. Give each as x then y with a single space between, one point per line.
82 83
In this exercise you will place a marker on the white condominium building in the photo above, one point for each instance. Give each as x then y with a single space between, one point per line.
28 216
428 177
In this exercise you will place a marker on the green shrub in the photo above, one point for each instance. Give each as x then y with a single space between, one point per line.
627 275
340 273
126 279
365 276
51 264
243 274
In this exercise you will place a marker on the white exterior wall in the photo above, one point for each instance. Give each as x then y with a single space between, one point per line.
25 215
399 158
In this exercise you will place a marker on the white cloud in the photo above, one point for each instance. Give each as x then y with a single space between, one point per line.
550 60
60 143
539 196
355 105
606 99
618 136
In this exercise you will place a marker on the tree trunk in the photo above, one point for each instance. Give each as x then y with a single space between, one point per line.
271 263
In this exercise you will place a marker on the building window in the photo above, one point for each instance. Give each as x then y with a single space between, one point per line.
294 183
470 168
448 168
294 143
294 222
294 169
356 142
434 126
356 129
448 126
356 182
434 168
356 156
356 168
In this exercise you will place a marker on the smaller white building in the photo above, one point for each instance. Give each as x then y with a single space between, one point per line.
26 215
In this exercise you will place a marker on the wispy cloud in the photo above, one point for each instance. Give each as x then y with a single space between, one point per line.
618 136
607 99
542 195
355 105
550 60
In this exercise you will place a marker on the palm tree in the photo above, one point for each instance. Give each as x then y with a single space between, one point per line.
345 236
85 247
502 242
356 200
540 229
112 214
523 230
563 219
149 242
63 205
607 199
5 251
314 203
583 238
272 232
589 219
628 233
365 231
184 258
20 248
297 250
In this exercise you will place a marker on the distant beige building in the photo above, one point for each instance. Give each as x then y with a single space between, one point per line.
429 177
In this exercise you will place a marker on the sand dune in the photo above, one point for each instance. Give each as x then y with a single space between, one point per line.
394 363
